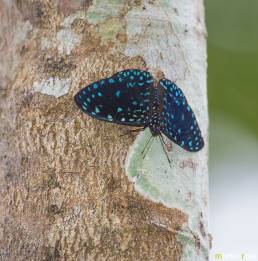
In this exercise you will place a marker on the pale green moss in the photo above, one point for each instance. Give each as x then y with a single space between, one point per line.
100 10
110 29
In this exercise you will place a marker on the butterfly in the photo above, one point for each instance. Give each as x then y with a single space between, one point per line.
132 97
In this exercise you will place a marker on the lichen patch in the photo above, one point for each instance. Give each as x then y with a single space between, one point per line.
53 86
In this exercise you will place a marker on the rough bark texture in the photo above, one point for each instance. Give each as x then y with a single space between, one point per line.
64 192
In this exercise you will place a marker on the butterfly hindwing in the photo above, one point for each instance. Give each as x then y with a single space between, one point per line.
178 121
123 98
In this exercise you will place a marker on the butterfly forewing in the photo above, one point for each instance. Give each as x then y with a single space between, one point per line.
178 121
123 98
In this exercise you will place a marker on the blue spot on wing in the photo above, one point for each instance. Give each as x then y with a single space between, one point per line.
117 93
124 98
178 121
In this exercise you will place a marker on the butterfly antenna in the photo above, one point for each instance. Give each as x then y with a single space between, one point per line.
163 146
147 146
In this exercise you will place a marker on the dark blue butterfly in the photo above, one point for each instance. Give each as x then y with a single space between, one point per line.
130 97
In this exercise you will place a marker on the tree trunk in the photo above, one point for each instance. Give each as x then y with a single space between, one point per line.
71 187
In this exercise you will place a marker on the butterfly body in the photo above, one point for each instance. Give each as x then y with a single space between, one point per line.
132 98
154 114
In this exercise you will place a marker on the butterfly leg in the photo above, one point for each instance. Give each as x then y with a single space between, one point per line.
147 146
131 131
163 146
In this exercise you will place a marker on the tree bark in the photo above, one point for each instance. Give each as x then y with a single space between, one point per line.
71 188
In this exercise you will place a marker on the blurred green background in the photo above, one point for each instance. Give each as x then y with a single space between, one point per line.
233 107
233 60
